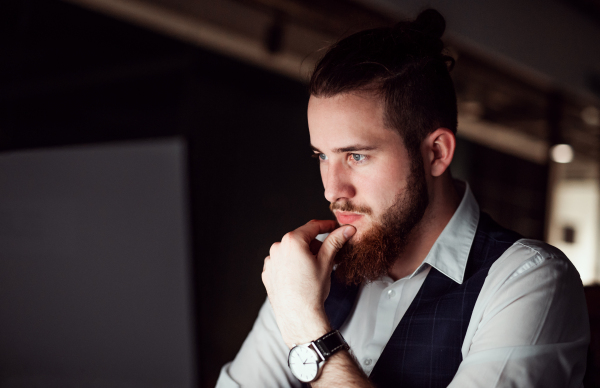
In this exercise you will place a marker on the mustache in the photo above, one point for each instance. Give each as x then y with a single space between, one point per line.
349 207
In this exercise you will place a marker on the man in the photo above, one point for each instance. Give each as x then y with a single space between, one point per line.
426 290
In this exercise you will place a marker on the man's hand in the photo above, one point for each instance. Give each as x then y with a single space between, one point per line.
297 278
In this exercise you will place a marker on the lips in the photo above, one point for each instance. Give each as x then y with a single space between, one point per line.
347 217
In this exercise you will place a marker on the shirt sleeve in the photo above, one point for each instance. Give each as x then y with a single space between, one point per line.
530 326
262 359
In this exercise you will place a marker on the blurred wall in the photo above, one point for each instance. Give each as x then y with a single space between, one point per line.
550 40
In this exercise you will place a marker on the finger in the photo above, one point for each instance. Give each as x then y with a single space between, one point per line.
311 229
334 242
263 275
274 248
315 245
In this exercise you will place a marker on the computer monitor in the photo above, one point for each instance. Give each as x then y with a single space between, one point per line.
95 280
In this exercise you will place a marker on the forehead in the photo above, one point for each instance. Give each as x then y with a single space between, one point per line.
336 121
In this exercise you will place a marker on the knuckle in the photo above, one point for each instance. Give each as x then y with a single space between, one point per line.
288 237
337 244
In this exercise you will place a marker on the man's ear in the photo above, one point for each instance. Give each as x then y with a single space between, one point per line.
439 148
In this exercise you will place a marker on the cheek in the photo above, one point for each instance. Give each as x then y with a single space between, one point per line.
380 189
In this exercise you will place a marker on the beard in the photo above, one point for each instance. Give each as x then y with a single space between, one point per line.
373 255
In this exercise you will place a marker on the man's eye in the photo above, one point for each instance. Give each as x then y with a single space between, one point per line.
319 156
358 157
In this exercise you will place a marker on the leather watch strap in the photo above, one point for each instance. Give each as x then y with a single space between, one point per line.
331 343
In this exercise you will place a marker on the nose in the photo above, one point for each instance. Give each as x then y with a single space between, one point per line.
337 182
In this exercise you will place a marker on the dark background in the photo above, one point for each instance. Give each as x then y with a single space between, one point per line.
71 76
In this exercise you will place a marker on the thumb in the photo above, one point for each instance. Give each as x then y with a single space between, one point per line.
334 242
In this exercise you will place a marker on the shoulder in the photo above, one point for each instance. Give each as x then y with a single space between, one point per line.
529 292
529 326
534 275
526 257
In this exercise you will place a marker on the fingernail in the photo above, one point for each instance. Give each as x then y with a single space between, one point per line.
349 231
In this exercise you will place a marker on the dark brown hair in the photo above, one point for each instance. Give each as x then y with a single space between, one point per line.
405 65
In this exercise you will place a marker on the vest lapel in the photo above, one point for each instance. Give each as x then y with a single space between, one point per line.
340 301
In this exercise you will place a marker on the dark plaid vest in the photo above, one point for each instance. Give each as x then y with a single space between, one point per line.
425 348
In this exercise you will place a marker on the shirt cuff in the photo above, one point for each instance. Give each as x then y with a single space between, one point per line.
225 381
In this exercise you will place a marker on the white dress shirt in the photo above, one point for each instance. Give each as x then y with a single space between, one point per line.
529 326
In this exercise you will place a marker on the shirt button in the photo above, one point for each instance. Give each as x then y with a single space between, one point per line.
368 361
391 294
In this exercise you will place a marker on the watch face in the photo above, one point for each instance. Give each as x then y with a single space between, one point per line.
303 363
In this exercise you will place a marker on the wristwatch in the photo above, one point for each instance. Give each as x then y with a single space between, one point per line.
306 361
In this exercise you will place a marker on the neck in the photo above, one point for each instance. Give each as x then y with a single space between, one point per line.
444 198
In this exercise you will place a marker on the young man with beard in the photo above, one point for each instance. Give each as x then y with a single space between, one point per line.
413 286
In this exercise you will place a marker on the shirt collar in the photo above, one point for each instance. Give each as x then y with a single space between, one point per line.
450 251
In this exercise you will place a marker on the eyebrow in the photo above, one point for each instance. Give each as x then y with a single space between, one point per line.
351 148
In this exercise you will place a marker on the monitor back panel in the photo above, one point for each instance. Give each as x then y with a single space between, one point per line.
95 286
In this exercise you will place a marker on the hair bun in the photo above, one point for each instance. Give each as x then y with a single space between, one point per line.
430 22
